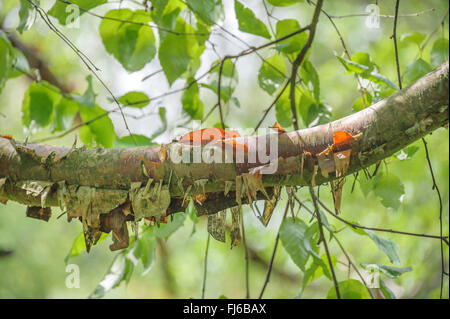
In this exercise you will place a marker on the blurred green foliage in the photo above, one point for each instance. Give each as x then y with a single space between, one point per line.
399 198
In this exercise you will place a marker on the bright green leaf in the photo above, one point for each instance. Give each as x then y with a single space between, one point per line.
132 44
283 3
88 97
177 51
272 74
248 22
311 78
38 104
79 245
416 70
349 289
209 11
68 13
413 37
390 271
439 52
135 99
63 115
26 15
294 43
101 130
5 59
191 102
165 230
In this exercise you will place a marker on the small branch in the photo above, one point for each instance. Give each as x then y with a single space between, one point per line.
324 240
205 269
247 264
272 258
394 36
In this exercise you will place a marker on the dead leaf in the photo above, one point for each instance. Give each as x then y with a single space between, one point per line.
42 213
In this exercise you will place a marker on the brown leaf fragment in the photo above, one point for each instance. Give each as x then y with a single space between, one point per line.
3 200
115 221
269 206
235 232
42 213
336 191
326 163
216 225
342 161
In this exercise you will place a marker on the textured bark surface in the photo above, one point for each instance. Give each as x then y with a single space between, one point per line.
383 128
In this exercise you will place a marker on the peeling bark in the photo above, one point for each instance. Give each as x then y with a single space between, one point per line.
122 174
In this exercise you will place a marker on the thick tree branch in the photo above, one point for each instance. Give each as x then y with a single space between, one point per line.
385 128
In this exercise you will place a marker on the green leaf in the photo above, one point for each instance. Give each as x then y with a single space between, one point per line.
209 11
132 44
101 130
389 294
165 230
88 98
63 115
272 74
26 16
283 109
366 72
390 189
439 52
248 22
177 51
5 59
413 37
145 250
191 102
311 78
38 104
65 13
358 105
120 270
128 141
416 70
349 289
229 79
283 3
390 271
293 44
19 63
386 245
79 245
135 99
292 235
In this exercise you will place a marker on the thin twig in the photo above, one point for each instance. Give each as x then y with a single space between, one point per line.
269 269
324 240
247 264
205 268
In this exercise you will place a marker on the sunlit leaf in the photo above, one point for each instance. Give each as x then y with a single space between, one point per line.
27 15
283 3
416 70
349 289
38 104
165 230
134 99
67 13
413 37
272 74
79 245
132 44
5 58
101 130
439 52
177 51
63 114
248 22
294 43
385 245
191 102
209 11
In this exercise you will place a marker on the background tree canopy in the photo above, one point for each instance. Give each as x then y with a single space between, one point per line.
117 74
